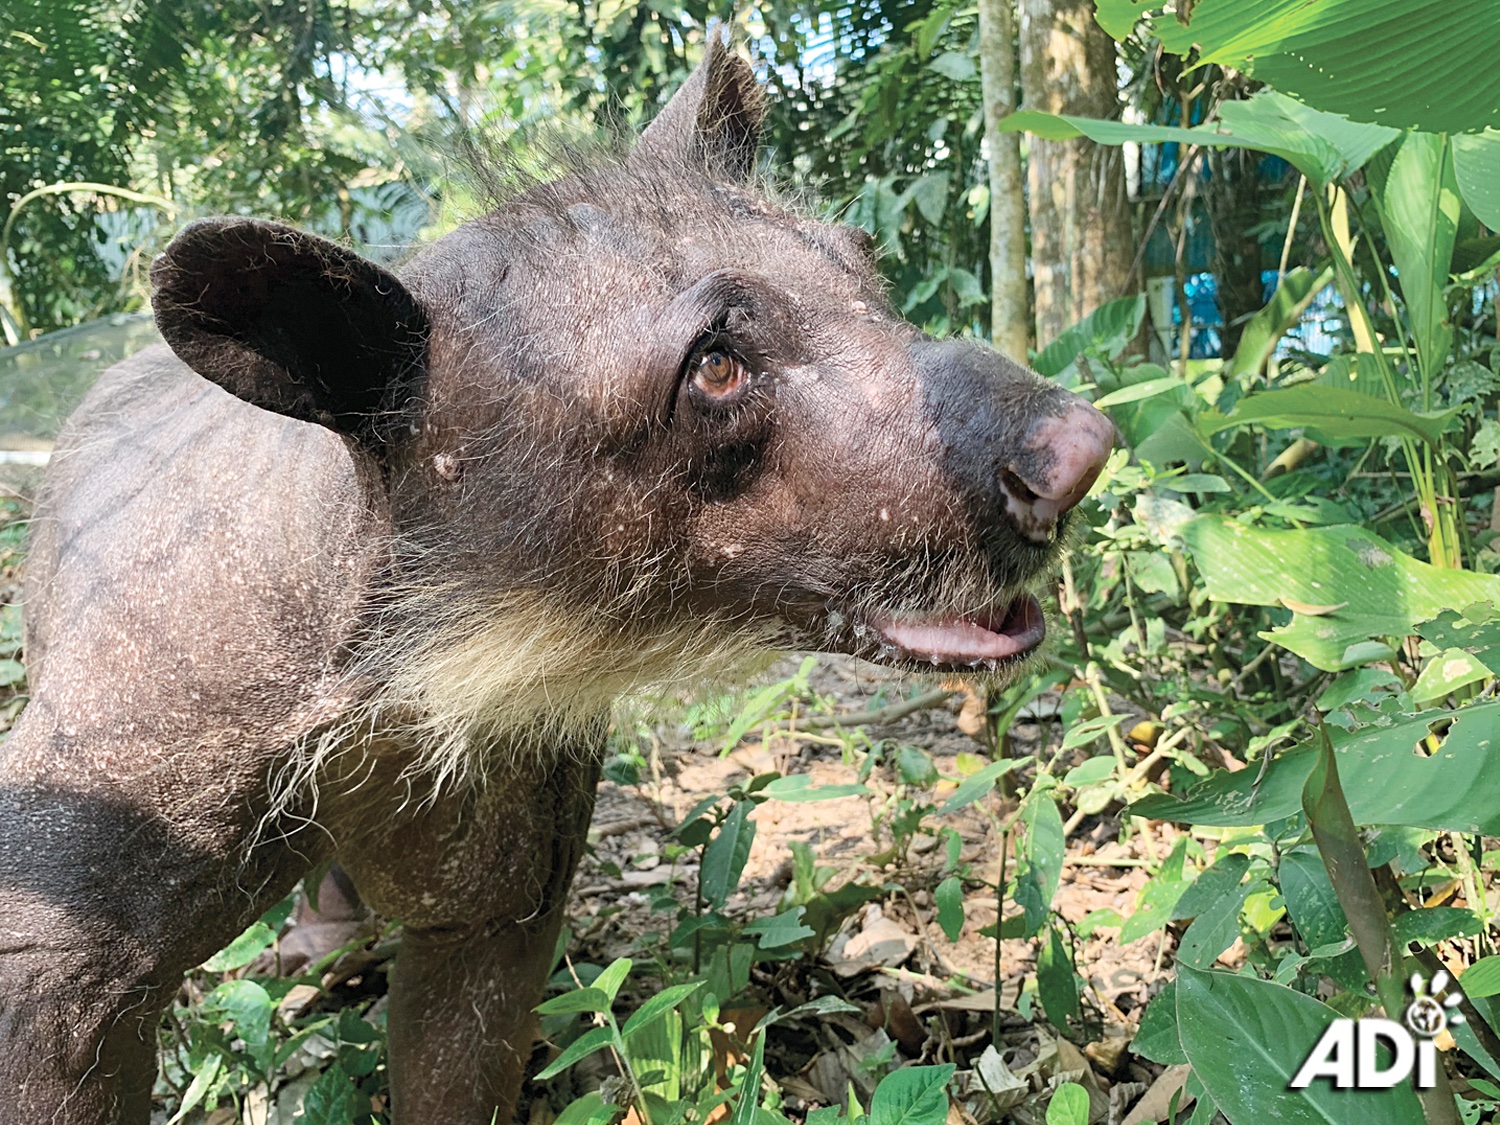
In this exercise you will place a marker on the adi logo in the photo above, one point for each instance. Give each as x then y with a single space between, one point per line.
1349 1052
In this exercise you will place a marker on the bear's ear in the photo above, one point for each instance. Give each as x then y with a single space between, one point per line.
715 118
293 323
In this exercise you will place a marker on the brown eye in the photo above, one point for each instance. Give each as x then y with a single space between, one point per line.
719 374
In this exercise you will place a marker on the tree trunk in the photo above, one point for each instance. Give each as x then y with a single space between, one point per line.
1010 319
1082 244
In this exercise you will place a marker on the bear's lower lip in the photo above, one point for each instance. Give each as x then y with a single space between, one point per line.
965 640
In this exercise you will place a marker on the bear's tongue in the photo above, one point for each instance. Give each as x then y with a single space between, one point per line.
1018 628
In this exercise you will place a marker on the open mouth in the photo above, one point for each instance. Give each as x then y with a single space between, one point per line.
986 639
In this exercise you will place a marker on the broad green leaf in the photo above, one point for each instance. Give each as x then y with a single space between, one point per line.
1417 198
579 1000
1153 908
1381 593
978 784
1434 924
913 1095
591 1109
1264 330
334 1100
586 1044
1334 411
949 898
1385 780
1246 1038
1221 881
914 767
1476 165
1482 978
1118 17
1042 853
724 858
242 950
781 929
1104 332
1090 772
1216 928
1446 672
1069 1105
1411 64
658 1006
1056 982
1323 146
1310 899
1156 1038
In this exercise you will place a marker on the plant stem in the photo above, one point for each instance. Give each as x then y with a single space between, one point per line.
1343 855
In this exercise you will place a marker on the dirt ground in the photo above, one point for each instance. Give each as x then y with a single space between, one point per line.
933 996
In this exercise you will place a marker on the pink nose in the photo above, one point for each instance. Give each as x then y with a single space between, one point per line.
1063 456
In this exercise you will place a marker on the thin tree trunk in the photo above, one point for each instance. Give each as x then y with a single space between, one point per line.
1081 239
1010 318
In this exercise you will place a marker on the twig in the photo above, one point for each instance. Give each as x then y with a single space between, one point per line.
887 714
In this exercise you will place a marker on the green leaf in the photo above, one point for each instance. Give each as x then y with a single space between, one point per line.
748 1089
1091 772
1246 1039
1384 779
202 1082
949 898
1085 732
586 1044
1322 146
1103 333
976 785
334 1099
1221 881
614 974
724 858
1380 593
1056 981
1041 852
1215 929
1264 330
1476 166
800 787
1333 411
242 950
1150 388
1069 1105
1434 924
1153 908
658 1006
590 1109
1482 978
579 1000
1434 57
1156 1039
1417 198
914 767
1310 898
913 1095
1118 17
781 930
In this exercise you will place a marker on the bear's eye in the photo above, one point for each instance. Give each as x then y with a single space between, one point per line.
719 374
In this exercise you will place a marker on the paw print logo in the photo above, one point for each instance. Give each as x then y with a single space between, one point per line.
1432 1006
